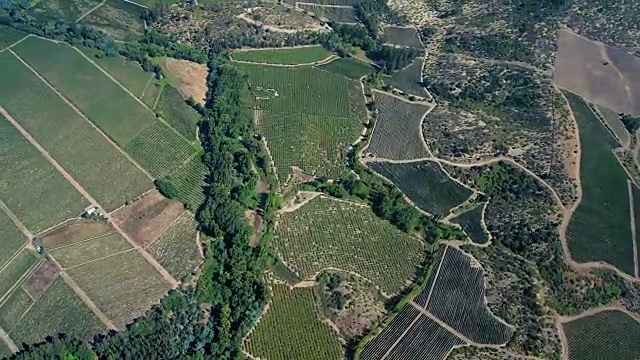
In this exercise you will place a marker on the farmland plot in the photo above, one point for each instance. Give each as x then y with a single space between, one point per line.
13 309
353 69
128 73
73 232
120 22
396 135
381 343
471 223
636 214
123 286
319 236
409 79
458 299
90 250
605 335
9 35
15 270
177 112
425 183
176 250
188 77
615 124
41 278
4 350
100 168
66 10
11 238
58 310
402 36
190 180
288 56
291 329
426 340
599 229
334 14
31 187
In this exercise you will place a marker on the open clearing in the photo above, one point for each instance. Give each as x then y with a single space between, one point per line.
319 236
599 229
286 56
59 309
177 250
31 187
349 67
122 286
100 168
593 70
402 36
613 121
331 13
11 238
605 335
291 329
90 250
148 217
182 117
189 77
425 183
396 134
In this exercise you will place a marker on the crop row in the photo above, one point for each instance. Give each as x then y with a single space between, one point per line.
290 56
380 344
176 250
190 180
426 340
471 223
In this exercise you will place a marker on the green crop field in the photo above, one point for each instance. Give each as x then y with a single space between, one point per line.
15 270
408 79
128 73
159 149
99 167
119 115
288 56
471 223
177 112
122 22
176 250
152 94
613 121
189 179
13 308
292 330
396 135
123 286
31 187
599 229
425 183
59 309
9 36
319 236
67 10
11 238
348 67
605 335
403 36
85 251
316 144
4 350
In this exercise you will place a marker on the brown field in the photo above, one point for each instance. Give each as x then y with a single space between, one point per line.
257 224
176 250
190 78
147 218
580 68
90 250
74 231
41 279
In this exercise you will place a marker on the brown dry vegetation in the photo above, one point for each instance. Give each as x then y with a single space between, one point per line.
190 77
148 217
41 279
74 231
257 225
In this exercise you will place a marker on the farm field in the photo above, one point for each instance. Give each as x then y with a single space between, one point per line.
90 250
128 73
291 329
176 249
316 144
402 36
471 223
286 56
9 35
457 297
334 14
408 79
636 212
353 69
122 286
74 231
177 112
119 19
147 218
12 309
599 229
605 335
425 183
11 238
396 134
41 278
15 270
615 124
31 187
58 310
188 77
319 236
100 168
381 343
426 339
56 10
190 181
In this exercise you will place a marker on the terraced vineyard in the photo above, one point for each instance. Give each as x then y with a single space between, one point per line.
319 236
425 183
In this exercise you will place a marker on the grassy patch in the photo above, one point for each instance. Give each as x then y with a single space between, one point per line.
350 68
177 113
123 286
11 238
121 22
95 163
319 236
11 274
288 56
128 73
605 335
425 184
58 310
599 229
90 250
292 330
9 35
31 187
65 10
176 250
13 309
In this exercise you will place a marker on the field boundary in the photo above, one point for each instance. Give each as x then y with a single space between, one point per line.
16 43
7 340
26 274
633 227
90 11
83 241
324 61
167 228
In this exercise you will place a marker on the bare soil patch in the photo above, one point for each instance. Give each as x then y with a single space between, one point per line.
74 231
41 278
257 225
191 77
583 66
148 217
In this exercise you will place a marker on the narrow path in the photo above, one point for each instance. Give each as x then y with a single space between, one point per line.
13 216
90 11
564 344
88 196
395 343
520 64
81 114
324 61
7 340
435 276
634 236
16 43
